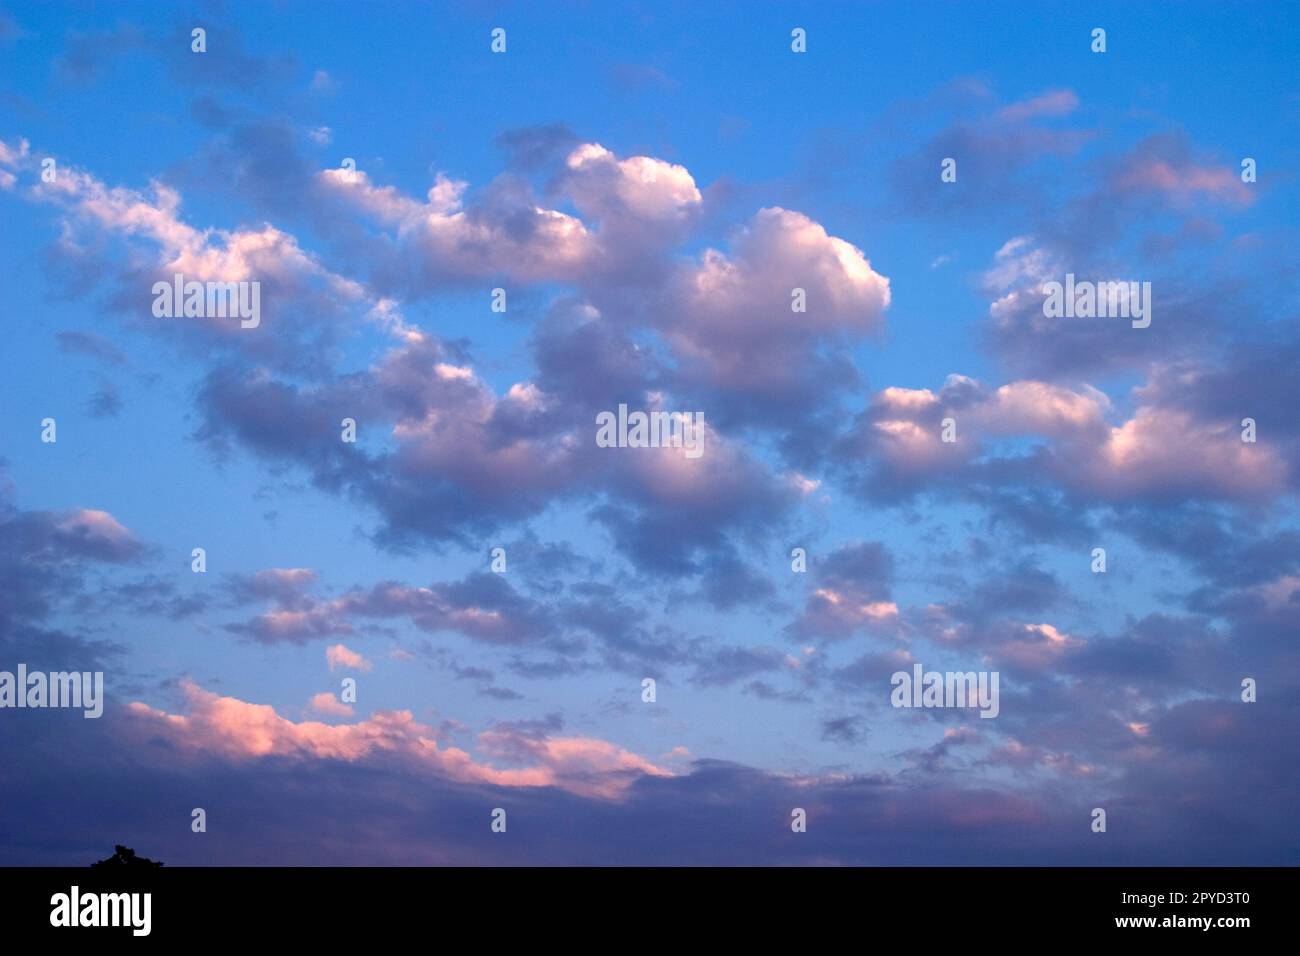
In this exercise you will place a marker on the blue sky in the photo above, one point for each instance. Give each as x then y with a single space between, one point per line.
654 267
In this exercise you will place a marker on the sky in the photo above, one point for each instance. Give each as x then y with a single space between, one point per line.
828 232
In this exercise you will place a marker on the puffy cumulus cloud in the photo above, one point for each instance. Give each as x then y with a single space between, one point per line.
458 459
632 210
296 616
1251 379
902 429
640 187
329 705
726 317
1180 445
1160 452
237 730
729 319
448 440
265 254
897 441
126 211
852 614
341 657
725 494
1043 409
303 305
439 240
441 468
301 301
449 457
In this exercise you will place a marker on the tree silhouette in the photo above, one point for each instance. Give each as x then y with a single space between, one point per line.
125 856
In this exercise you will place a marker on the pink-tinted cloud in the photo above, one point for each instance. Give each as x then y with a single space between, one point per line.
440 238
1051 103
238 730
1160 449
640 187
98 532
337 656
1184 182
300 300
326 703
731 316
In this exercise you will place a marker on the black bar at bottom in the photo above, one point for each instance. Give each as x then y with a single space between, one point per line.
330 905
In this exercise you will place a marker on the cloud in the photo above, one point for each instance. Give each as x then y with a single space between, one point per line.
286 586
292 282
996 150
105 402
329 705
84 532
92 344
731 323
337 656
322 82
438 240
237 730
45 560
852 594
87 55
414 810
1163 166
1051 103
639 187
898 444
843 730
482 606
